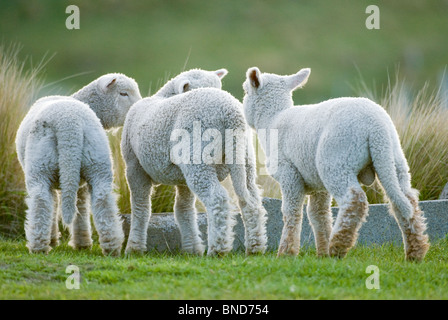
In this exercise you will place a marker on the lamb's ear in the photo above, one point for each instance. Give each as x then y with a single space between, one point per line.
299 79
182 86
254 76
107 82
221 73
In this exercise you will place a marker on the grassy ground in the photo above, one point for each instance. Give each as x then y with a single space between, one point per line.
177 276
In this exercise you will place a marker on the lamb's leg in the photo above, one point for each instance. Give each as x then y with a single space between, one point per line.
353 208
105 217
319 216
260 243
415 240
140 188
185 215
55 234
80 230
203 181
252 210
39 166
39 217
293 195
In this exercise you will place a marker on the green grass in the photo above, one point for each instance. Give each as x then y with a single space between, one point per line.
179 276
420 117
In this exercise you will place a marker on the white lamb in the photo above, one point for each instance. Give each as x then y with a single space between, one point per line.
61 144
328 149
148 146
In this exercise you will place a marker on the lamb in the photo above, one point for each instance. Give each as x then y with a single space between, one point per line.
193 103
328 149
61 144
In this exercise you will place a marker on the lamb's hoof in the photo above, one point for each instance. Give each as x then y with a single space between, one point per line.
81 246
338 252
54 243
194 251
416 256
113 252
255 250
135 251
39 249
322 254
111 248
286 249
217 253
254 253
417 253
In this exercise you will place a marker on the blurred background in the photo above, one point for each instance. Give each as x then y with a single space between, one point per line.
155 40
401 66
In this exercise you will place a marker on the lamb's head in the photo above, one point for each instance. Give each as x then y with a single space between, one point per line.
192 79
267 93
110 96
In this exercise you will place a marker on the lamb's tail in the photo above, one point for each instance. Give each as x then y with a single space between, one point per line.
253 213
391 168
69 145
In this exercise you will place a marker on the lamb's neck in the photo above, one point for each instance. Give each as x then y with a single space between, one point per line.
267 110
89 96
166 91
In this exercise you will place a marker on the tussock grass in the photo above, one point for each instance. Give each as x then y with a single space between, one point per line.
19 86
421 119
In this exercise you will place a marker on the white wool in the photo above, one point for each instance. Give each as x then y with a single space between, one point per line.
192 97
324 150
61 144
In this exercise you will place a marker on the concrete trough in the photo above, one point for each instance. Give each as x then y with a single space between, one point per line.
163 234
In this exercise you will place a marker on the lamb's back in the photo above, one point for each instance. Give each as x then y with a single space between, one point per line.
333 127
153 121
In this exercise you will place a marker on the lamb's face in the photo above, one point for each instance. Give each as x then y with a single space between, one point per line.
118 93
266 92
197 78
267 84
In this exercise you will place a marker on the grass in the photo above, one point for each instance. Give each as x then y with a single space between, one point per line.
19 85
420 119
179 276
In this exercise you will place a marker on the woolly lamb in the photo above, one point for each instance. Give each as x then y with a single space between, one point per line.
328 149
61 144
148 143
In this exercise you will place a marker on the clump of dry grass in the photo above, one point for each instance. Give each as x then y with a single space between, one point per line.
421 120
18 89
